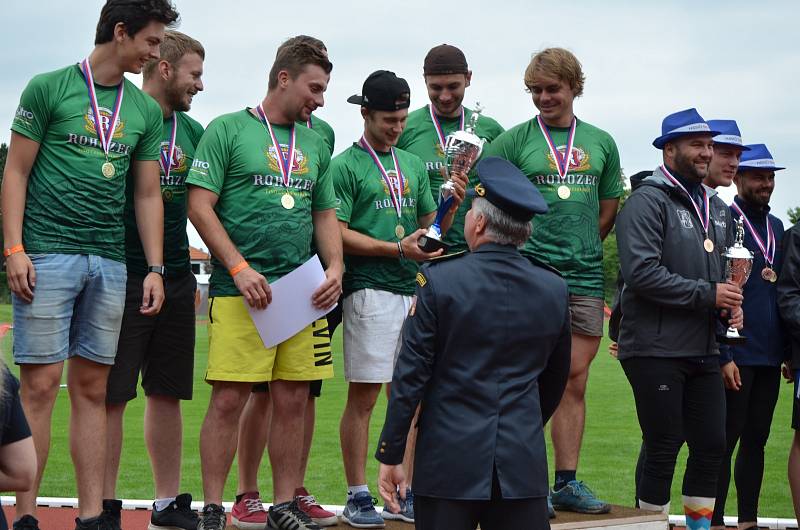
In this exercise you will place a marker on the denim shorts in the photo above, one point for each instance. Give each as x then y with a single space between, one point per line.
76 310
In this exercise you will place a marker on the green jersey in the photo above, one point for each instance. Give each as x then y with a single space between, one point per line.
70 207
321 127
421 138
237 161
173 194
365 203
568 236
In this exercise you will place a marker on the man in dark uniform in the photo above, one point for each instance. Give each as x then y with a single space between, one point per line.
488 380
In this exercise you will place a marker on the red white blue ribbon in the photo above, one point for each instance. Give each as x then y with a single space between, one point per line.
285 164
703 219
166 159
562 162
769 249
105 136
438 126
308 123
396 195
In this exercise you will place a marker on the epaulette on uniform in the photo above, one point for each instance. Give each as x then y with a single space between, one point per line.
421 279
539 263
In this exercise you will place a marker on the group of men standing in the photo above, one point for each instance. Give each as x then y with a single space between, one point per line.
101 178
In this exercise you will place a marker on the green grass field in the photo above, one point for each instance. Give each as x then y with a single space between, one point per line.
610 447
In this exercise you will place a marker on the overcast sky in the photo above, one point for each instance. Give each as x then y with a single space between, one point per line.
642 60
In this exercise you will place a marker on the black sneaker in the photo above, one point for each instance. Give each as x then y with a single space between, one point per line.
289 516
112 509
26 522
213 518
101 522
177 516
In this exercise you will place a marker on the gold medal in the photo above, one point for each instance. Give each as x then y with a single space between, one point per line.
773 277
399 231
564 192
708 245
287 201
108 169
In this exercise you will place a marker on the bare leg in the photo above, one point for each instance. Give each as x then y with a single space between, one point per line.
218 436
39 384
794 473
289 400
354 430
253 436
86 382
163 433
568 421
114 416
308 436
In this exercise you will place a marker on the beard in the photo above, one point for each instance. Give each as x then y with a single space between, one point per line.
686 167
178 99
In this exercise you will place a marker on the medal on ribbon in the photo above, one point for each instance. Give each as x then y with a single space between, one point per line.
767 249
562 162
165 159
285 163
437 125
396 195
105 136
707 243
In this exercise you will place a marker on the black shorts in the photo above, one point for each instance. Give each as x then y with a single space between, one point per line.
161 347
796 402
314 388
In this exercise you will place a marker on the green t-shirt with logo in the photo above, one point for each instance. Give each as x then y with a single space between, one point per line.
71 208
237 161
364 202
321 127
173 194
568 236
420 137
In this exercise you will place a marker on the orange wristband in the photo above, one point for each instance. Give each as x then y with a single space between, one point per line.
13 250
236 269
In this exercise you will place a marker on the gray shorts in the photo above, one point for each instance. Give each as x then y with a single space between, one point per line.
587 315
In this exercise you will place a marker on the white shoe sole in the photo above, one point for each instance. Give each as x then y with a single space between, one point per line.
326 521
389 516
361 525
244 525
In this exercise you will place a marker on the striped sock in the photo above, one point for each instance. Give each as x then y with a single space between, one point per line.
698 512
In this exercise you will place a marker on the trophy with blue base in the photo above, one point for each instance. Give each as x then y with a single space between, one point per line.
462 150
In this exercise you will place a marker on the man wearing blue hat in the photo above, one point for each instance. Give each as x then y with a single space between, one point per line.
752 371
670 236
487 388
728 148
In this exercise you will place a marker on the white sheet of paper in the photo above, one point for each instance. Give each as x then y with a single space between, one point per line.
291 309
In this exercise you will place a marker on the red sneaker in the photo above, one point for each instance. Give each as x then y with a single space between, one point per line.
308 503
249 513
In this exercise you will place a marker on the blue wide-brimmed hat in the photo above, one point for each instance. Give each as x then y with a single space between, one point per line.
758 157
505 186
728 133
682 123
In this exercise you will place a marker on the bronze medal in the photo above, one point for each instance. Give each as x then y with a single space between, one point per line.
564 192
399 231
108 170
768 274
287 201
708 245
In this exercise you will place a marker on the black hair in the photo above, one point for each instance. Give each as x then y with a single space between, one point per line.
135 14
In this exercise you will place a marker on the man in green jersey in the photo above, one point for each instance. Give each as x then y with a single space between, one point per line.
384 206
576 167
77 133
260 189
447 77
161 347
255 419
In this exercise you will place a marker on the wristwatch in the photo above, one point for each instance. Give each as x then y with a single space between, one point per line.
158 269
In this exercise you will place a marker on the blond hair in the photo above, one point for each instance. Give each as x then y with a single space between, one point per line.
559 63
174 47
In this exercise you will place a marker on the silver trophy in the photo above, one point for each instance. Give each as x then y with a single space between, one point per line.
738 265
462 149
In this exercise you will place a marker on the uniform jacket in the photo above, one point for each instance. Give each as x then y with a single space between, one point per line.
668 302
789 291
487 351
763 328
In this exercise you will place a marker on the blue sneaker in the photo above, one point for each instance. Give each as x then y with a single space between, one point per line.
406 513
551 512
360 512
577 497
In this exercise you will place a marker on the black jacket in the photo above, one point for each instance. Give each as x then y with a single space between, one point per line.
668 301
487 351
789 290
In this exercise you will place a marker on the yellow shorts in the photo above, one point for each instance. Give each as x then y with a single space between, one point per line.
236 352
